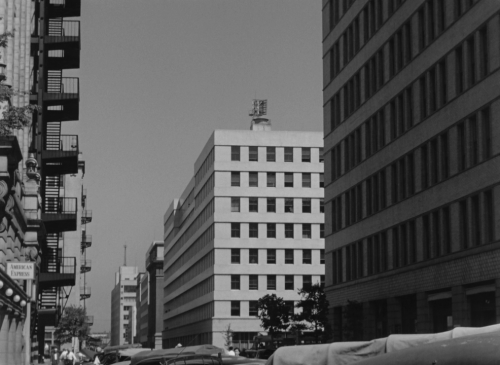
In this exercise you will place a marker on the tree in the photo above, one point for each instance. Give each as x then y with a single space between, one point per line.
314 310
274 314
72 324
352 329
228 336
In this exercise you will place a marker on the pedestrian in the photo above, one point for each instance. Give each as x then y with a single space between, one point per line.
62 357
71 357
230 351
236 351
54 356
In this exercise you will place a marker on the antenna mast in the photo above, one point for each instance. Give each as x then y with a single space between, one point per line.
125 256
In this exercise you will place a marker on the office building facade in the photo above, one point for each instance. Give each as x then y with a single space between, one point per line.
249 223
412 164
123 298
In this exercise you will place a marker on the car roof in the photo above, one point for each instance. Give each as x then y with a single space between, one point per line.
189 350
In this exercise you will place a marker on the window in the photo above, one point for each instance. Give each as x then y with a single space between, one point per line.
321 230
235 308
253 153
322 256
306 281
235 255
235 204
235 178
288 180
253 282
288 205
235 153
322 280
306 154
253 204
271 282
289 284
321 155
253 230
271 205
253 308
321 180
235 230
306 180
459 67
271 154
271 230
271 256
253 256
306 230
288 230
288 154
322 205
307 257
306 205
289 256
235 282
253 180
271 179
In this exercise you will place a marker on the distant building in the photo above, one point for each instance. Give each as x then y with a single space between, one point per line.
412 156
249 223
142 303
122 299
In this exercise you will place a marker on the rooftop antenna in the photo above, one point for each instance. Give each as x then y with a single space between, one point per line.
125 256
257 112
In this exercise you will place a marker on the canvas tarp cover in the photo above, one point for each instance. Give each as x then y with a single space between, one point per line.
344 353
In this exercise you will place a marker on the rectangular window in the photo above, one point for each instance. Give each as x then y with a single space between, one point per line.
253 204
271 154
271 282
322 205
288 230
306 281
307 257
271 230
253 230
271 179
235 255
235 308
322 256
489 229
235 178
288 205
235 204
471 61
288 154
306 180
253 179
486 134
426 236
306 205
462 159
235 230
235 153
288 179
423 96
321 180
289 284
425 166
253 257
271 205
321 230
235 282
473 140
459 67
289 256
321 155
253 308
306 154
253 153
464 224
306 230
483 52
253 282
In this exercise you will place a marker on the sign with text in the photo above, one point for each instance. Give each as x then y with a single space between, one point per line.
21 270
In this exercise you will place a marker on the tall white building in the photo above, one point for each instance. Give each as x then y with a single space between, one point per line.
249 223
123 297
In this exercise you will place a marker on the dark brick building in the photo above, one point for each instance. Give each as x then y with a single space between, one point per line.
412 172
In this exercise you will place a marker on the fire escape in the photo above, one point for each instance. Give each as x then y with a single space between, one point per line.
55 47
86 243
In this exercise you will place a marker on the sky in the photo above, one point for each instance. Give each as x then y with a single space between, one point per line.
157 77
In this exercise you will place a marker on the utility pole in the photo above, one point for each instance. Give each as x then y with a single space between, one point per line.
125 256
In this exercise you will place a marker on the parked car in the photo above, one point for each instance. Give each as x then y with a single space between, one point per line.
258 354
116 356
184 359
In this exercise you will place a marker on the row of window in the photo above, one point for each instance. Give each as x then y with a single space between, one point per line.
376 254
253 205
473 63
253 282
474 147
253 256
253 179
253 154
289 230
433 87
253 308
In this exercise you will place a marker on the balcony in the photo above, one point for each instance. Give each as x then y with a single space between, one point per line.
59 214
86 266
86 216
64 8
89 320
57 272
84 197
60 155
85 292
86 241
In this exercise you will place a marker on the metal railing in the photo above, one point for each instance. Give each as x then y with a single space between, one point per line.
59 265
89 320
85 291
64 143
60 205
63 28
86 241
86 216
63 85
86 263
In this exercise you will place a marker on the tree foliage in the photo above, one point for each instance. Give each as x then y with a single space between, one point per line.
314 313
72 324
352 329
228 336
274 314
